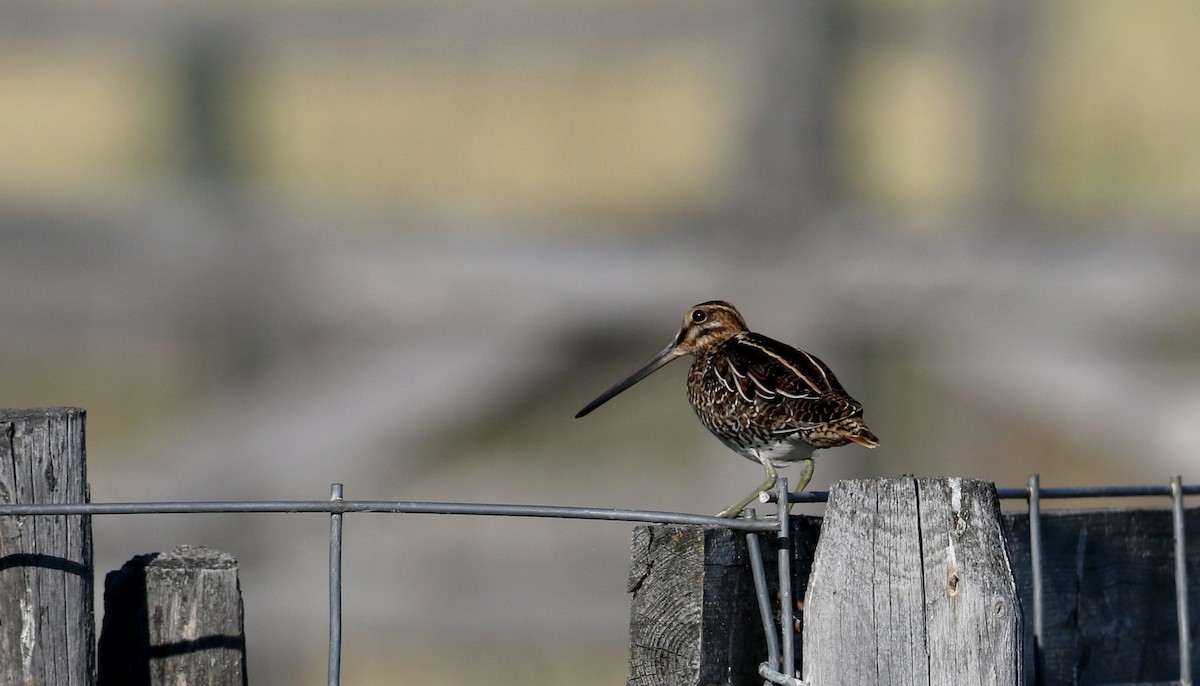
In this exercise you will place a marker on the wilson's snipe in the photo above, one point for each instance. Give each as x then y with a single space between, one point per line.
766 400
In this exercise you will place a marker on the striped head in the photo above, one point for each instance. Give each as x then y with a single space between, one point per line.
706 326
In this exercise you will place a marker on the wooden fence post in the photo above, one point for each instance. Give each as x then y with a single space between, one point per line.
1108 594
47 626
911 585
694 618
684 580
174 618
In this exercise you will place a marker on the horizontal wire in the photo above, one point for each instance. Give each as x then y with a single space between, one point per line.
508 510
1063 492
386 506
1022 492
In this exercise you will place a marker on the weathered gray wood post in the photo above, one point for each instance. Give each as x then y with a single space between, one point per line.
911 585
47 627
174 618
694 617
684 580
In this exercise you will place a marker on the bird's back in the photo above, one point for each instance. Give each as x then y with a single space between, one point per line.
754 392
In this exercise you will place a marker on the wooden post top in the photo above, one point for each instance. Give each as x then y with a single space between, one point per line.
911 585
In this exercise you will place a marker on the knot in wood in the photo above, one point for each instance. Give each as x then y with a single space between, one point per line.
960 525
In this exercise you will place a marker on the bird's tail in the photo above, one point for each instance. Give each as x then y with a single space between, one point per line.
856 430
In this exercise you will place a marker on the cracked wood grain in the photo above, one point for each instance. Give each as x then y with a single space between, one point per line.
47 628
693 615
911 586
172 618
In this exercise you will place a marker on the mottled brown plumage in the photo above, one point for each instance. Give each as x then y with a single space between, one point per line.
766 400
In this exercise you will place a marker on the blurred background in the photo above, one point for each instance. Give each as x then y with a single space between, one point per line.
270 246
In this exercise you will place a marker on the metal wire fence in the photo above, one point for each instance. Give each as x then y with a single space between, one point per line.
780 640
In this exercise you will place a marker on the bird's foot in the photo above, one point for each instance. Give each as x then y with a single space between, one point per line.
735 510
731 513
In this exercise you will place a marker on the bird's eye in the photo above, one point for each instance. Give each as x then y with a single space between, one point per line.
699 316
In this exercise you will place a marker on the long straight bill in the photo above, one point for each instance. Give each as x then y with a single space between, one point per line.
668 353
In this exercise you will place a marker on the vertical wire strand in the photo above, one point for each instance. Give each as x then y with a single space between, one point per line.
759 574
1181 583
787 631
335 590
1035 561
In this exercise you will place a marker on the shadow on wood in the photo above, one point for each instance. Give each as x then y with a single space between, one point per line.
172 614
694 617
47 627
1109 596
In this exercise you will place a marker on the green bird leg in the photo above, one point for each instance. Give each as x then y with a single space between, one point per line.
772 476
806 472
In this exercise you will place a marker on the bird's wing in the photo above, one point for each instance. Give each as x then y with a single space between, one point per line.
764 370
751 372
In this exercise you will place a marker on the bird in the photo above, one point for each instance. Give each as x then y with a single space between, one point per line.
767 401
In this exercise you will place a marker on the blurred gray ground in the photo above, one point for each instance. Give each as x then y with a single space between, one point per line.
448 367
